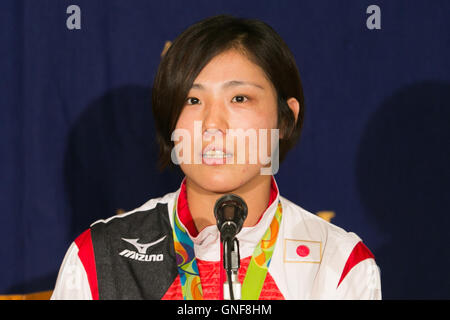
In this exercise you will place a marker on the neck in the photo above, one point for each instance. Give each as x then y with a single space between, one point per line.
256 194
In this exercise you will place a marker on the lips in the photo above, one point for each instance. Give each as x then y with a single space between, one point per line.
212 155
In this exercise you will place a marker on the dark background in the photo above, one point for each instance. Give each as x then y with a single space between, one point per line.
77 134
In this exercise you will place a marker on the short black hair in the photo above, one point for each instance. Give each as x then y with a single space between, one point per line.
191 51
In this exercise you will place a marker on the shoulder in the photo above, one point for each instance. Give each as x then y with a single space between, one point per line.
154 205
145 223
150 209
96 253
302 223
343 259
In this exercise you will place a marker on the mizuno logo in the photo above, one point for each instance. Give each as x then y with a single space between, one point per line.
142 255
142 247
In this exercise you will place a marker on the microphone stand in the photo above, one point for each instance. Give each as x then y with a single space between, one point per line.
231 263
230 212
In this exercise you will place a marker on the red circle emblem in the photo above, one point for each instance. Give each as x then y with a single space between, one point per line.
302 251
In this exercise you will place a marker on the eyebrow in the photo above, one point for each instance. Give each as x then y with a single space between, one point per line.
232 83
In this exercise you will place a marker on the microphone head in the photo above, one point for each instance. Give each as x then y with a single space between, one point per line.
230 212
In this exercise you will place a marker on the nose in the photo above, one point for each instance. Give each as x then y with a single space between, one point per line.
215 118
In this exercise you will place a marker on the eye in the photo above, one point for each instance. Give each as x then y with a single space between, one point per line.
239 99
192 100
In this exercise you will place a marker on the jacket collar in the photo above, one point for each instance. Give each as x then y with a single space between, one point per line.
248 237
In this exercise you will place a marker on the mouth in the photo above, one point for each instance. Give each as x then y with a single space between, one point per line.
211 156
216 154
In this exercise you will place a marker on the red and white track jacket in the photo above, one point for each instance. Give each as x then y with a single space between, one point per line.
131 256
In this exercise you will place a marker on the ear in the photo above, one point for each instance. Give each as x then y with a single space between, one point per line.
294 106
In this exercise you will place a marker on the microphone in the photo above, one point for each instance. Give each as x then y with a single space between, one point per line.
230 212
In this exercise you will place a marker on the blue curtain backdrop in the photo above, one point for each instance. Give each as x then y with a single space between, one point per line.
77 133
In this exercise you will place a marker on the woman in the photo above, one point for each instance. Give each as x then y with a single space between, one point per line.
228 104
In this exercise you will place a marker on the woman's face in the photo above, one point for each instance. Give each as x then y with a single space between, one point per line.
230 100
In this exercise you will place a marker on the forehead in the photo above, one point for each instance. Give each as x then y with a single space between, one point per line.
232 65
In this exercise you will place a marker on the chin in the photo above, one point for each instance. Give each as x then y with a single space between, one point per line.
219 179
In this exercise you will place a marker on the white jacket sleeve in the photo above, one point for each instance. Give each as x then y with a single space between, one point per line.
362 282
72 282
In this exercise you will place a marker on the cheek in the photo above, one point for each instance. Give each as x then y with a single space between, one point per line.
256 120
266 117
185 120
